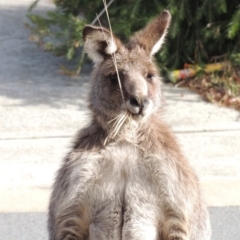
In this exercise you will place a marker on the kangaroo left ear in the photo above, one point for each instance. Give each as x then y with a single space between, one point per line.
152 36
99 42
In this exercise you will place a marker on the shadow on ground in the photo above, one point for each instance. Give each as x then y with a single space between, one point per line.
29 74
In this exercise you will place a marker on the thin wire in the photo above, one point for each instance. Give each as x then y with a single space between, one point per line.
120 119
113 55
101 13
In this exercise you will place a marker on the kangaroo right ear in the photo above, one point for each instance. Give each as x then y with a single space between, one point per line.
152 36
99 42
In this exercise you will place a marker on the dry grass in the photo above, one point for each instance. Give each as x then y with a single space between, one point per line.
220 88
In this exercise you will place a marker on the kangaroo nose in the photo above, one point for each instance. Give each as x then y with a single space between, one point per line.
134 101
139 102
136 105
145 101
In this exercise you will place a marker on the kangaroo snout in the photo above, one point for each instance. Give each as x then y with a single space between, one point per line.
137 105
136 92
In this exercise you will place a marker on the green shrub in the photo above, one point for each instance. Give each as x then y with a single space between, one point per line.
200 29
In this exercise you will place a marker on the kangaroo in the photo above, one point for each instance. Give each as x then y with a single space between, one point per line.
126 177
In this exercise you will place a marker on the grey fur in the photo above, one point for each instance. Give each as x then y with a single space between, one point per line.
136 184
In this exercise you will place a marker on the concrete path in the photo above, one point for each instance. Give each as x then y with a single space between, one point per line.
41 111
32 226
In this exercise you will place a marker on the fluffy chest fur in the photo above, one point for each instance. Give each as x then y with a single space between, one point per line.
120 189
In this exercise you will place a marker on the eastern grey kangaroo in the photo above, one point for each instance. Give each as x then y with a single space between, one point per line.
126 177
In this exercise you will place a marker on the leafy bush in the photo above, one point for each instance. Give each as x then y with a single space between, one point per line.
200 29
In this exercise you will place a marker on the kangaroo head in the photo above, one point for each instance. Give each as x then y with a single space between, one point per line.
139 91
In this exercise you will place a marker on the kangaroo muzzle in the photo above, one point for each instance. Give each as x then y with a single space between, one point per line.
138 105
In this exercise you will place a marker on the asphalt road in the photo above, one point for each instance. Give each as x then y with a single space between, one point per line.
32 226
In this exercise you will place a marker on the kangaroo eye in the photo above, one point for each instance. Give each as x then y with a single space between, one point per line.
114 79
150 77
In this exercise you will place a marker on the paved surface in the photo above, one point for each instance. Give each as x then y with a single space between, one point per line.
29 226
41 110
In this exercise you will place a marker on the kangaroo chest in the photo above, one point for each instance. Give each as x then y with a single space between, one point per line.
123 165
122 174
123 190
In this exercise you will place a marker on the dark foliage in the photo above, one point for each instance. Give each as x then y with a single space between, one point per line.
200 29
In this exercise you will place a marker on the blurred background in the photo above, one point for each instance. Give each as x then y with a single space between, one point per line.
44 82
203 41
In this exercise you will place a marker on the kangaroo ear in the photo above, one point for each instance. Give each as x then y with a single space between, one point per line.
99 42
152 36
